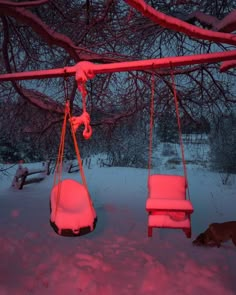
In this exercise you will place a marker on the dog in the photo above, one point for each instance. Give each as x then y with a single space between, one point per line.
216 234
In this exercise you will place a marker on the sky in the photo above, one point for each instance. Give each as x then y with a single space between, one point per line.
117 257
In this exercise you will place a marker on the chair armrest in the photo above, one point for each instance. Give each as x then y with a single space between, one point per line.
154 204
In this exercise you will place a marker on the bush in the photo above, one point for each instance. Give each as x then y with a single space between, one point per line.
127 145
222 145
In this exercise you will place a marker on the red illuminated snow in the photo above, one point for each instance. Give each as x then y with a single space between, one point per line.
117 257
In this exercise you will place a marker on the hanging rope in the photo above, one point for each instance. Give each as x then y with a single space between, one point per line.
179 129
59 164
79 160
151 124
83 91
78 154
84 118
75 122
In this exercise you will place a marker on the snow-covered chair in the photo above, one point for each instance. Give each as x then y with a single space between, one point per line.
166 204
72 213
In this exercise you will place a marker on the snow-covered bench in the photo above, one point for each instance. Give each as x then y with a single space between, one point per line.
22 176
166 204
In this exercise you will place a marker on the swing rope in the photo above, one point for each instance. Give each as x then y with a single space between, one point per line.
151 125
179 130
79 160
59 164
83 91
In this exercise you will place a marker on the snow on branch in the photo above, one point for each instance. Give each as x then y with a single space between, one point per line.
226 25
178 25
204 19
50 36
227 65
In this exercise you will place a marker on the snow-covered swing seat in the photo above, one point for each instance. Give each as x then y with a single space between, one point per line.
71 208
167 204
74 215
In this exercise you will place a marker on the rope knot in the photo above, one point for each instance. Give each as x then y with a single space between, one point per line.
83 119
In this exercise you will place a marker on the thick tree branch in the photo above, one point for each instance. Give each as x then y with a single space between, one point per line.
226 25
227 65
205 20
175 24
51 37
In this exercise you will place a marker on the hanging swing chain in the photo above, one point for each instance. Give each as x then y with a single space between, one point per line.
151 124
179 127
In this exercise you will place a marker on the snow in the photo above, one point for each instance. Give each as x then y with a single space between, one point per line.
71 206
117 257
161 203
166 221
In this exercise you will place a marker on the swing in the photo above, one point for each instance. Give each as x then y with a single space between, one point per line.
71 208
167 204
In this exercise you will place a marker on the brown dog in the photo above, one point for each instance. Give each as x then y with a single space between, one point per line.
216 234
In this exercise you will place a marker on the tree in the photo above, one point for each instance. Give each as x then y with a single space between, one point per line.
45 34
222 144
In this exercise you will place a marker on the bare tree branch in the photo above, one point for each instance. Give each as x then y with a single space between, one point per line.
178 25
51 37
226 25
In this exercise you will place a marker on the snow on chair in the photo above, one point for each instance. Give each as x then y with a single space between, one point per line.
167 203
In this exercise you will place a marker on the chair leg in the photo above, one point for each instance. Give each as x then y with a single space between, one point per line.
188 232
149 232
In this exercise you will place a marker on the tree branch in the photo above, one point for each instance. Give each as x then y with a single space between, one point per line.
226 25
51 37
175 24
23 4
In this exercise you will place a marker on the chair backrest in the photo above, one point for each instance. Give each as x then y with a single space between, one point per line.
167 186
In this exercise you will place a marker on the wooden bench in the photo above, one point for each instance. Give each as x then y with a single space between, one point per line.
22 176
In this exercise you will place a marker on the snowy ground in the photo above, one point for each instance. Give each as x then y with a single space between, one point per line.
118 257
